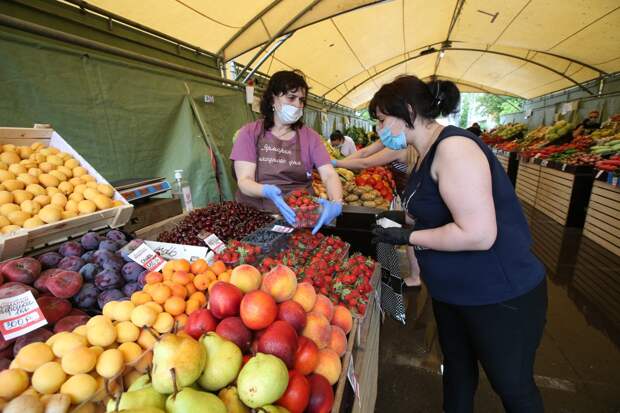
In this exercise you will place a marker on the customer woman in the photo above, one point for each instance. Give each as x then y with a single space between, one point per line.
472 244
276 154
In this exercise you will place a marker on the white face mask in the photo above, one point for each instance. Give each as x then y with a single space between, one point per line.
289 114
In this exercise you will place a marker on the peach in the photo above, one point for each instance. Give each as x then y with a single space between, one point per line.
338 341
305 295
280 283
324 306
246 277
329 365
318 329
343 318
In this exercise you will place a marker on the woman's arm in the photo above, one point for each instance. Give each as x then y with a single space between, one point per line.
246 171
330 178
380 158
465 185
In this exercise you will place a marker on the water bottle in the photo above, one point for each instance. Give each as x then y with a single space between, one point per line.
182 191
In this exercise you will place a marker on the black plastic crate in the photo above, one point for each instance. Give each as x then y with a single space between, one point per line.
270 241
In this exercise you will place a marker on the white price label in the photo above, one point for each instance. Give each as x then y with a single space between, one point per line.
187 198
352 377
20 315
147 258
544 163
599 173
564 167
214 242
176 251
537 156
614 181
281 229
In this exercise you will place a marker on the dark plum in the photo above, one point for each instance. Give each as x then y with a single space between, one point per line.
131 271
87 296
100 255
70 249
109 295
71 263
109 245
114 263
88 271
108 279
142 278
116 235
88 256
90 241
49 259
131 288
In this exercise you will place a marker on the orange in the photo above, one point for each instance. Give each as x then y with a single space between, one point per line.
168 269
225 276
200 296
191 289
174 305
192 305
140 297
181 265
218 267
181 277
199 266
181 320
179 291
202 281
160 293
153 277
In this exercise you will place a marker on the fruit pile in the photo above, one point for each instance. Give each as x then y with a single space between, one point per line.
307 210
559 129
510 131
40 185
265 342
610 165
228 220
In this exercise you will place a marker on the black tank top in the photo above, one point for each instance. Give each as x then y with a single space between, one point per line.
508 269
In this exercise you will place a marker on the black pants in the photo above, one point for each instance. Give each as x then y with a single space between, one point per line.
504 338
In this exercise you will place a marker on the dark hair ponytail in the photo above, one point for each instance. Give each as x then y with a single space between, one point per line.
428 100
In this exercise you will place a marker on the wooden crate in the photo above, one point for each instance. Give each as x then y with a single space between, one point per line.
510 163
554 194
17 243
603 217
527 182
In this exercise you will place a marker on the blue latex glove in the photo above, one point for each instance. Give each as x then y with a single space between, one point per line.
274 193
334 162
331 210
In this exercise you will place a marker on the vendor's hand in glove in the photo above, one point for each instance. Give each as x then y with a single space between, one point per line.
396 216
331 210
394 236
274 193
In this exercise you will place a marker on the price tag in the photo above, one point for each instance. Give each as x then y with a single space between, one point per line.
213 242
614 181
147 258
20 315
176 251
563 167
537 156
599 173
352 377
281 229
544 163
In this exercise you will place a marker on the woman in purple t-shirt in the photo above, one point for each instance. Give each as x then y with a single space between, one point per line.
276 154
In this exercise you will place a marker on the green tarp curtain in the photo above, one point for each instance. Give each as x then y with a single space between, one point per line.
128 119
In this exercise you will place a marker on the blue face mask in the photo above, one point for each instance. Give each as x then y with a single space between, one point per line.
390 141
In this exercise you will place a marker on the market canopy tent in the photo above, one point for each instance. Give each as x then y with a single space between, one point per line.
348 48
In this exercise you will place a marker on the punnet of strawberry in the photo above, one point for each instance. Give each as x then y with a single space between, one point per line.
306 208
237 253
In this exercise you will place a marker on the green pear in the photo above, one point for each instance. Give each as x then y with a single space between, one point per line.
140 383
145 397
224 361
178 362
190 400
230 397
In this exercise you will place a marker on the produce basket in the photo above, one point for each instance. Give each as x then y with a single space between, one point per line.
268 240
17 243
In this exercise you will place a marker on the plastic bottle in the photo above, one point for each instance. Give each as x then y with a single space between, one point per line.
181 190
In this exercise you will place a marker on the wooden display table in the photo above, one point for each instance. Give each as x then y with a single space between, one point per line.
603 217
559 191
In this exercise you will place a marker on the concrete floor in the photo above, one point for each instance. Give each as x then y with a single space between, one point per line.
578 362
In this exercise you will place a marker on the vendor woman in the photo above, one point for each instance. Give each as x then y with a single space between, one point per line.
276 154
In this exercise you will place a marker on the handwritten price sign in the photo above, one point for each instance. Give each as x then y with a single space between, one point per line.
20 315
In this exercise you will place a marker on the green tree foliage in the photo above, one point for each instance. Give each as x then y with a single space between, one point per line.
495 105
465 106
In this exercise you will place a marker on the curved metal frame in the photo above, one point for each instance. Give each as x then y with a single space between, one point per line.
464 49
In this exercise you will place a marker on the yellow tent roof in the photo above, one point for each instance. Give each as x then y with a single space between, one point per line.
348 48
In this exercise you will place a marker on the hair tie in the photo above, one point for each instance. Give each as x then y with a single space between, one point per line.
437 95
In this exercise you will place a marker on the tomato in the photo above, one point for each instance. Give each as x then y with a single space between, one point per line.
297 394
360 181
377 177
371 181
